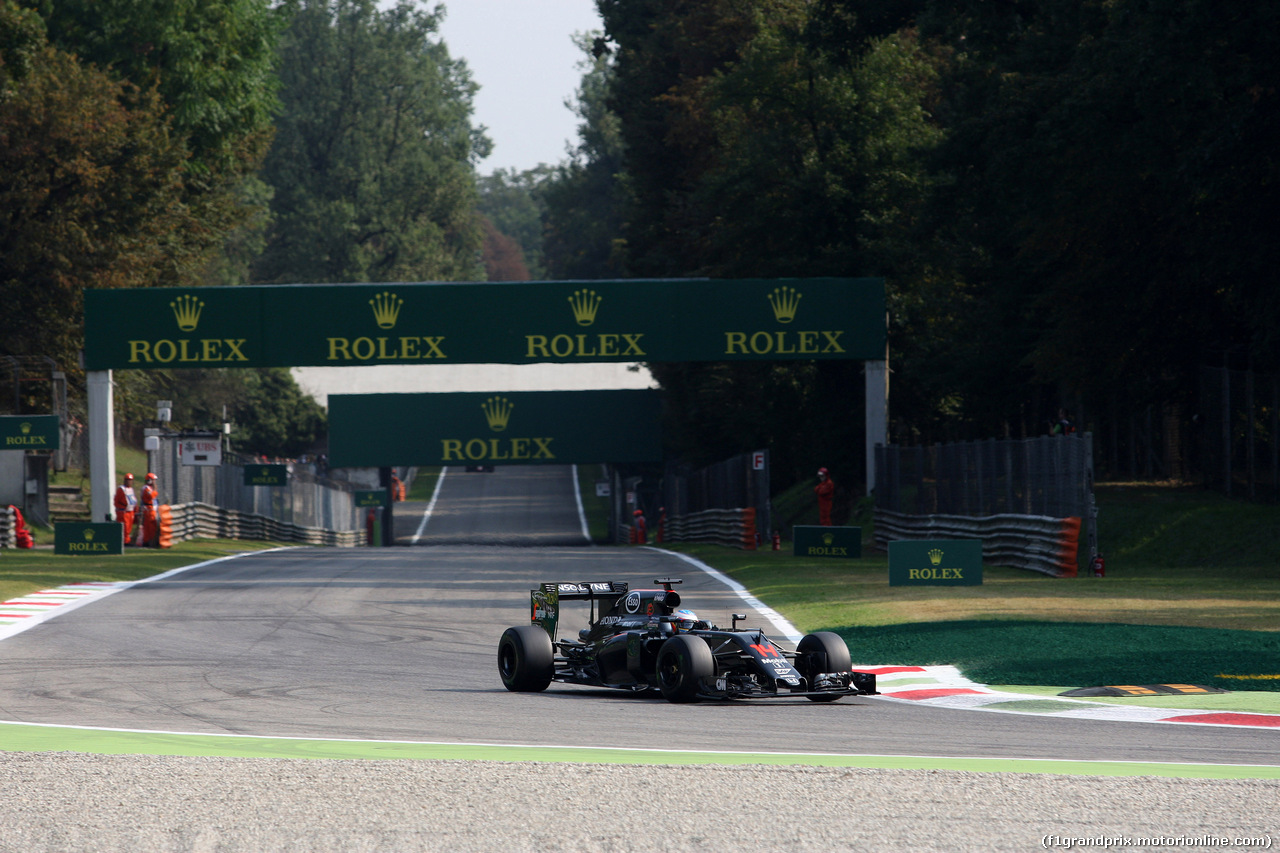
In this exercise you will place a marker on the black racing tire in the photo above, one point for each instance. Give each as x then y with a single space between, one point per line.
526 660
822 651
683 661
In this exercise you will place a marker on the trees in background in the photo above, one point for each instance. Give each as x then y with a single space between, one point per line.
512 204
124 154
90 191
1069 200
373 161
211 64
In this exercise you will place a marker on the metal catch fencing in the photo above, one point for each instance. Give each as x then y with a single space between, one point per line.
1046 478
309 500
738 483
1037 543
202 521
732 528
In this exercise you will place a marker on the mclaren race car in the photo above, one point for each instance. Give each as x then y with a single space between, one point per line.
643 640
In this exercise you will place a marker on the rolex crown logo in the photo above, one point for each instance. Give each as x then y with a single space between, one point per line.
386 309
88 534
186 309
935 556
497 411
828 538
25 427
785 301
266 472
585 303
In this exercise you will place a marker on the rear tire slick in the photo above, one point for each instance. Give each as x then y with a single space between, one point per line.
526 660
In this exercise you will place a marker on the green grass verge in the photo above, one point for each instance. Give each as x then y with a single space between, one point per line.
29 738
1020 627
1150 528
424 484
1192 595
1081 653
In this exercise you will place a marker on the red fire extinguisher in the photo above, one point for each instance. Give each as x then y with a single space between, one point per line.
1098 566
368 528
777 541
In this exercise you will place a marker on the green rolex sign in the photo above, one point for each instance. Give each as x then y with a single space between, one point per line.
370 497
96 538
29 432
935 562
816 541
514 428
266 475
484 322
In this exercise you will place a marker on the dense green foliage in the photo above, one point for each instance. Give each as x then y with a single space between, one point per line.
372 160
131 137
512 204
92 188
269 413
1069 201
211 63
585 199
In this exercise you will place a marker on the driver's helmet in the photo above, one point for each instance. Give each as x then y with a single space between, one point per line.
685 620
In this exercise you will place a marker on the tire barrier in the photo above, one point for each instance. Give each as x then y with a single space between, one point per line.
205 521
1035 542
8 528
733 528
14 532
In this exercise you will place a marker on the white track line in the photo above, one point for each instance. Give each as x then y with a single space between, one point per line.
87 593
426 516
577 496
779 621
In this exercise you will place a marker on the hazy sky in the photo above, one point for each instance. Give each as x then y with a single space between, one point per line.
520 53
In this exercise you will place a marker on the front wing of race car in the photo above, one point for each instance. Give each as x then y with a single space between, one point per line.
748 665
831 685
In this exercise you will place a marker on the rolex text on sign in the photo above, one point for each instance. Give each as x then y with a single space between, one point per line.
97 538
935 562
29 432
485 322
515 428
811 540
266 475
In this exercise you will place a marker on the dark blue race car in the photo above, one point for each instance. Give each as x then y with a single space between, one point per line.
643 640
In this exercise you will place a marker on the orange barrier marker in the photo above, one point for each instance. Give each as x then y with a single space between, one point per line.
165 539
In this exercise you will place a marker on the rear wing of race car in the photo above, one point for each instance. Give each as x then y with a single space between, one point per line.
544 607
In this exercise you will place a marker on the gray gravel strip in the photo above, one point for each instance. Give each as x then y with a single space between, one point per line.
88 803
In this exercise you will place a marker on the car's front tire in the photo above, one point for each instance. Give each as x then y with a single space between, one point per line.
822 651
526 660
683 661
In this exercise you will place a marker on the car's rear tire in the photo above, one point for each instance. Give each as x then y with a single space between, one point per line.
526 660
822 651
683 661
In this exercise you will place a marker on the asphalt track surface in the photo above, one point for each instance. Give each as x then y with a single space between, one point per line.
399 644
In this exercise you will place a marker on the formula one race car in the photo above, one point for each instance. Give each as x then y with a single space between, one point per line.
641 640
